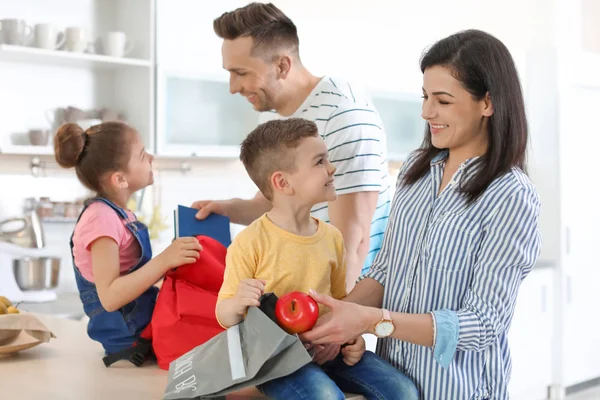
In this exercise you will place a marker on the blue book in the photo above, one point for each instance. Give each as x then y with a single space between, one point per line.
214 226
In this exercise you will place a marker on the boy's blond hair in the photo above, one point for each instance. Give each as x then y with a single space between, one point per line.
267 149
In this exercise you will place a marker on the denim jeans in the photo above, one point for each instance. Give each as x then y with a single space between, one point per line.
117 330
371 377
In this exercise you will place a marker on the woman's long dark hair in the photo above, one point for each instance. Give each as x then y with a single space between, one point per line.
482 64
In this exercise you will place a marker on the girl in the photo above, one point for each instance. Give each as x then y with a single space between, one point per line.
112 257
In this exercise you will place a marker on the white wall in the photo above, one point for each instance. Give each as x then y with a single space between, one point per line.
380 42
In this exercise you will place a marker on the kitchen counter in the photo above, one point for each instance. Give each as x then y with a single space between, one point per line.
70 368
66 305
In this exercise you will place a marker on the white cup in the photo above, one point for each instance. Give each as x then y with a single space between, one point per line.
76 40
15 32
116 44
47 36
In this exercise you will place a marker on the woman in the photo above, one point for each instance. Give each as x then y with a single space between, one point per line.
462 236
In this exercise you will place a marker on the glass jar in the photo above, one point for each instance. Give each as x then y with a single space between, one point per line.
45 208
71 210
58 209
29 204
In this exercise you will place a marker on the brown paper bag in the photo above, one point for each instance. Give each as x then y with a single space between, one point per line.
21 331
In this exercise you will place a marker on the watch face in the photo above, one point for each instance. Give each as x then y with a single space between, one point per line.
384 328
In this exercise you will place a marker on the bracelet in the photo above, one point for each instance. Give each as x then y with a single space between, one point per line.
434 332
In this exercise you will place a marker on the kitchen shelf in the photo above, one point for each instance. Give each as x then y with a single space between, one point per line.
59 220
205 152
192 74
33 55
27 150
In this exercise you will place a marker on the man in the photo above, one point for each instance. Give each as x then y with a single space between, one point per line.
260 51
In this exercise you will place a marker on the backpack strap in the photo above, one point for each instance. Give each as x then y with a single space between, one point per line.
137 354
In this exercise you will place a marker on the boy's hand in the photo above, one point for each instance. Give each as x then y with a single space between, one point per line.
248 294
184 250
354 350
325 352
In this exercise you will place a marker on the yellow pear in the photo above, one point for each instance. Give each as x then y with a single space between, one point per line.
3 309
13 310
5 301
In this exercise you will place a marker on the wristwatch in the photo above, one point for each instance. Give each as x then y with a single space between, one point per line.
385 327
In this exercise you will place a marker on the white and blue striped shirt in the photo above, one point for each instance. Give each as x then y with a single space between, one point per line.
464 263
356 144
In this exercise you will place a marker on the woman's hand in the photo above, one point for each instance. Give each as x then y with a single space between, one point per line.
344 322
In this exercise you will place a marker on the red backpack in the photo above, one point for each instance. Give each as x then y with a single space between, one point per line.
184 314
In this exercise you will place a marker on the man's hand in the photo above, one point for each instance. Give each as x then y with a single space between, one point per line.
354 350
239 211
207 207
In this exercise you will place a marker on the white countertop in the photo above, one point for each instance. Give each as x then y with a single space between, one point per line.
67 305
70 368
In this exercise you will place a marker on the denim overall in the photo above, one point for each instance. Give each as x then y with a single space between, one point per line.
119 329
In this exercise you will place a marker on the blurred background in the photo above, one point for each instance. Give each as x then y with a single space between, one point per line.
157 65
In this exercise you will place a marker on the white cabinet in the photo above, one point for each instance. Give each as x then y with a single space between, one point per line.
200 118
401 118
581 222
196 114
35 82
565 143
185 38
530 337
579 88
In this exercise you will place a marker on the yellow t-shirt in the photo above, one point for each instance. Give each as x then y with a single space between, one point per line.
287 262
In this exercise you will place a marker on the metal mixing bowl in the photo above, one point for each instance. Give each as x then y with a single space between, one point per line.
36 273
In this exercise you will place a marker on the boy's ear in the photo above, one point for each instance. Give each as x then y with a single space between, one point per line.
280 183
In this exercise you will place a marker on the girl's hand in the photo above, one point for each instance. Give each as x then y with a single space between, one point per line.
184 250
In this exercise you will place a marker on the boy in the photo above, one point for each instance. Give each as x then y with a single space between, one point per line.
287 250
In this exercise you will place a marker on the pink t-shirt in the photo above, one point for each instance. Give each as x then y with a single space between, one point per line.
100 220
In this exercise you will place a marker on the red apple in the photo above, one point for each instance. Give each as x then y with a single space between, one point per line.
296 312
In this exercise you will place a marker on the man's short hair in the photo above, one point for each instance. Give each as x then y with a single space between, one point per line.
270 28
267 149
